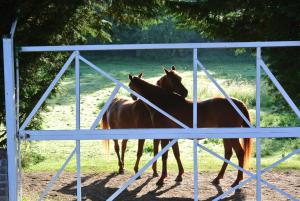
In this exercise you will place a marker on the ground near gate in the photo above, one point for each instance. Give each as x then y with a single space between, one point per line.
99 186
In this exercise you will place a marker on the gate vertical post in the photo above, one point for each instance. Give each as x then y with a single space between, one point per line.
195 123
258 140
77 74
9 80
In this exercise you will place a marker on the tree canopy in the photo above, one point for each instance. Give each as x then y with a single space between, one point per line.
48 22
235 20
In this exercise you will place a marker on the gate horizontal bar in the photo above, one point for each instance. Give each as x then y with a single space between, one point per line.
168 133
159 46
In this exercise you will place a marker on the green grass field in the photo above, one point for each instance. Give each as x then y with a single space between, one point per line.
235 73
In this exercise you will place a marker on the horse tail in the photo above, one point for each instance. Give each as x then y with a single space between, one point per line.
246 142
104 125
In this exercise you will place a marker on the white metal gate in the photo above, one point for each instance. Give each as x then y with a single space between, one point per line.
14 132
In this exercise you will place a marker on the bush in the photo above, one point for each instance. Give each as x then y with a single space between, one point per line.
29 156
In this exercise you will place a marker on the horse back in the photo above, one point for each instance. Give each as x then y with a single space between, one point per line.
218 112
126 113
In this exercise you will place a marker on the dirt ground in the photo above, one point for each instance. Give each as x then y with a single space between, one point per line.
101 185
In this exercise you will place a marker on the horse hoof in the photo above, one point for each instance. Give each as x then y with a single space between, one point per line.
139 177
155 174
121 171
216 181
160 183
178 178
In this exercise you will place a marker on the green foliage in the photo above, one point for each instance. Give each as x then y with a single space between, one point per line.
250 21
30 156
279 146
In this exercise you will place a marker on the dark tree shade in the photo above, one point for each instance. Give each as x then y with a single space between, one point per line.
264 20
56 22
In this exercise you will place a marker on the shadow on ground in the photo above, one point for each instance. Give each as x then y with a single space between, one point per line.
101 189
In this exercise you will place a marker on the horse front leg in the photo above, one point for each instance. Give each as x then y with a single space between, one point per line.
227 154
139 155
164 172
176 153
155 151
124 145
117 150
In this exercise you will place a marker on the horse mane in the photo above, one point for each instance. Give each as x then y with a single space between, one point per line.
162 95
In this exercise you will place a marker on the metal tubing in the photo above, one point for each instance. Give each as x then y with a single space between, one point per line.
258 141
47 92
195 120
195 98
171 133
19 169
280 88
175 134
225 94
13 29
77 72
139 173
160 46
9 80
196 186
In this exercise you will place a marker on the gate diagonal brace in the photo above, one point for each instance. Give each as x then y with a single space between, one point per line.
252 176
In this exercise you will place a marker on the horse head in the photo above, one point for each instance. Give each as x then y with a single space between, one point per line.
171 81
132 83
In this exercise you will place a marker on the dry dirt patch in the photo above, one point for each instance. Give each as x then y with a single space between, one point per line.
101 185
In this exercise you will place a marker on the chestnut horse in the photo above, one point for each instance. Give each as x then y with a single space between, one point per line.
119 115
215 112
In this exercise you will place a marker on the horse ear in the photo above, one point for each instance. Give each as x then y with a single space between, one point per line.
173 67
141 75
130 76
167 71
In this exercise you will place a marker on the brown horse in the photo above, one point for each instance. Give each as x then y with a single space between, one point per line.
216 112
119 115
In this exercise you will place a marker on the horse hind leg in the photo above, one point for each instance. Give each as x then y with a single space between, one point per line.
139 155
117 150
227 155
176 153
124 145
155 151
164 172
239 151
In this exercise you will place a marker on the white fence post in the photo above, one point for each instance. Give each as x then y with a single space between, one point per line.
258 140
195 123
77 73
9 80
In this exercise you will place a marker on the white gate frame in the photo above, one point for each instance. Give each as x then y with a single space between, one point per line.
13 131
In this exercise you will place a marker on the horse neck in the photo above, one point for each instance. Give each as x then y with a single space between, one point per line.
157 95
